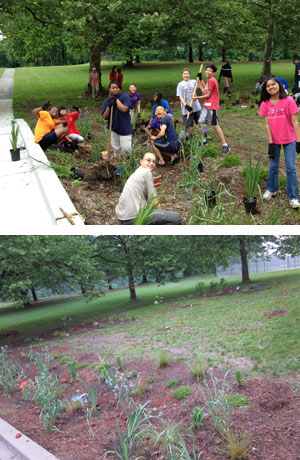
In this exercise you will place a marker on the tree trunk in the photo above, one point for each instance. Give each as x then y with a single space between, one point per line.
34 296
250 57
131 281
266 70
200 52
224 58
129 62
137 59
244 260
191 60
144 280
63 54
95 59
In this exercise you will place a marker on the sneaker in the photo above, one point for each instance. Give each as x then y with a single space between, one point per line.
205 142
268 195
226 149
294 203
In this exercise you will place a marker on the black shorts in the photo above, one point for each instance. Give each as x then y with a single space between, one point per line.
193 118
48 139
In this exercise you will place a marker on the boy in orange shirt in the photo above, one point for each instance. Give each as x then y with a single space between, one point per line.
48 130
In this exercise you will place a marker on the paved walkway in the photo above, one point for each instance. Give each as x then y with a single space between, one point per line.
31 194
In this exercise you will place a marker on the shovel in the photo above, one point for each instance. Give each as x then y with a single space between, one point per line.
183 131
105 153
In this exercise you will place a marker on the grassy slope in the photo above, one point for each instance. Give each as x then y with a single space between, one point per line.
68 83
221 328
1 71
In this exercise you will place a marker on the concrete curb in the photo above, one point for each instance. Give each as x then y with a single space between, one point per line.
22 446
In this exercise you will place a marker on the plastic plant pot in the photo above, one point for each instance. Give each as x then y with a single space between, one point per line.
250 205
77 173
15 154
210 198
200 167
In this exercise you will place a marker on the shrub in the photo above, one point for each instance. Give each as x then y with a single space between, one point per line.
183 392
173 383
211 151
119 362
231 160
200 288
236 399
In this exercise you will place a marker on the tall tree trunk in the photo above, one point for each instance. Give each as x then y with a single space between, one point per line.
191 60
34 295
266 70
109 280
244 260
137 59
144 280
200 52
250 57
95 59
63 54
224 58
131 281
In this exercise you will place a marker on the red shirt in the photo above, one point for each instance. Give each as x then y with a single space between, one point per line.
120 78
212 102
112 76
70 119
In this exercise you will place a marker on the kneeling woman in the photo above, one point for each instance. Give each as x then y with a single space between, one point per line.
138 190
281 112
121 132
166 141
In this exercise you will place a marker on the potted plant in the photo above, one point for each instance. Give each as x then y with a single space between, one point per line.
15 151
252 174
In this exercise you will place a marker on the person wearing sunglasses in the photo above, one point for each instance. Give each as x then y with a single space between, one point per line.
138 190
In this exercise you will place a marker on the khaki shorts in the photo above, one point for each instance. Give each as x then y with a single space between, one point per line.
226 82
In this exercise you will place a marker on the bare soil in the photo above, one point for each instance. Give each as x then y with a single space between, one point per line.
271 417
95 197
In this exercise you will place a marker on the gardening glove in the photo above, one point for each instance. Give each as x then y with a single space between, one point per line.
112 100
75 108
272 151
298 147
199 75
188 108
46 105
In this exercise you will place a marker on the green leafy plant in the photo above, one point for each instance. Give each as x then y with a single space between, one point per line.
119 362
173 383
93 397
231 159
200 288
150 380
239 377
14 134
145 212
198 416
252 177
183 392
236 400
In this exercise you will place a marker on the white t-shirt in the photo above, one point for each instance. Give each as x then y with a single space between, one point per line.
137 191
185 89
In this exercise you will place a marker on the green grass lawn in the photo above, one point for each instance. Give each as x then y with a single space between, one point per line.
63 84
1 71
224 329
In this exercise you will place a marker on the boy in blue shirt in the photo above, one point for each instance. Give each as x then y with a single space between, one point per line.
166 141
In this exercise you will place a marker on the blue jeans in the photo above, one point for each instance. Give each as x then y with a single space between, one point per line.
291 175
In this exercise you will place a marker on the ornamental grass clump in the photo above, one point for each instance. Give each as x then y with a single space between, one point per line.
198 416
10 372
183 392
236 445
164 358
198 367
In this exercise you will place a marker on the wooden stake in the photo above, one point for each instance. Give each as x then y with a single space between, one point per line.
194 94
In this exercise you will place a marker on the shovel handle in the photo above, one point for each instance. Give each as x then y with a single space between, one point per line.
109 131
194 94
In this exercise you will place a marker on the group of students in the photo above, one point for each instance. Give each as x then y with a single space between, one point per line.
279 110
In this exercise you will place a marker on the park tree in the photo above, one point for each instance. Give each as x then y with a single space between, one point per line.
31 262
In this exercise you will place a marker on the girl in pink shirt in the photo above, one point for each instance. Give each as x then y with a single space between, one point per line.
281 119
